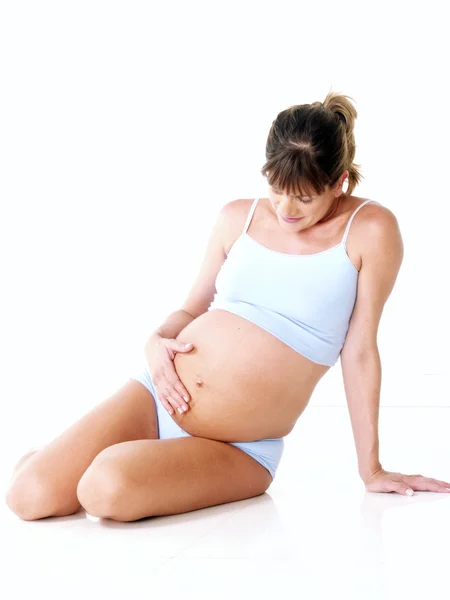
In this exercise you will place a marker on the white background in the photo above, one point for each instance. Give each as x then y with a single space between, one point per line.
125 126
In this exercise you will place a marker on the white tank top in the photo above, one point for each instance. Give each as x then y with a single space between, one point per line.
305 300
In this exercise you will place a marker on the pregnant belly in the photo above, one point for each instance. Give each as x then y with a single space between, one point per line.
245 384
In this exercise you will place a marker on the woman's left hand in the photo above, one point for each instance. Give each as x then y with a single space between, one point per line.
388 481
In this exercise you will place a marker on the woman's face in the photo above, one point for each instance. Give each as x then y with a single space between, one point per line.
310 208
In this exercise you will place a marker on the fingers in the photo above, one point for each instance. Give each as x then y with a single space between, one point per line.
171 400
443 483
165 402
173 395
170 405
396 482
176 397
181 393
171 391
426 484
401 488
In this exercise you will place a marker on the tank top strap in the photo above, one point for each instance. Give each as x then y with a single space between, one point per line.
250 214
344 239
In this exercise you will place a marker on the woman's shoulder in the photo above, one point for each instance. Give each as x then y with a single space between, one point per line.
374 219
374 209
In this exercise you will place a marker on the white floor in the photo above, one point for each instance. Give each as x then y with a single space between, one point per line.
316 531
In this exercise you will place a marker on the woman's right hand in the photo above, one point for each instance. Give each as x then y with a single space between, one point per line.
160 353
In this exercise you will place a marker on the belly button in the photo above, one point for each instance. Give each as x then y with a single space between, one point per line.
199 382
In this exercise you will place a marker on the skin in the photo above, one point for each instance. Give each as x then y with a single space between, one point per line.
313 208
316 209
133 475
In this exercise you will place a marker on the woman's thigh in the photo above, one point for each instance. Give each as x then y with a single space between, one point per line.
144 478
267 451
175 473
45 483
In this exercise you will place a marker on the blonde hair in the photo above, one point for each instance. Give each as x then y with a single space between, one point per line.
309 146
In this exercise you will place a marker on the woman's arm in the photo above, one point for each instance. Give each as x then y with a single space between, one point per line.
361 366
382 255
362 382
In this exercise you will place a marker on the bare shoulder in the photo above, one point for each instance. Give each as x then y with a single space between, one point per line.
238 209
380 218
381 258
379 231
373 210
235 214
374 228
374 218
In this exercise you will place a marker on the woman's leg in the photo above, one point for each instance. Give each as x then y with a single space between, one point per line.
44 483
146 478
24 459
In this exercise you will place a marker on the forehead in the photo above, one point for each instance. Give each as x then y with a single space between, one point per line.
299 189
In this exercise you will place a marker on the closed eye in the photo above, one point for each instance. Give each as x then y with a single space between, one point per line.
305 201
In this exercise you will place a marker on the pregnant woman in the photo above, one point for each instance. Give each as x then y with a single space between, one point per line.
289 284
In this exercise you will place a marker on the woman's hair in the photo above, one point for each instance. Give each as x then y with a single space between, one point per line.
309 146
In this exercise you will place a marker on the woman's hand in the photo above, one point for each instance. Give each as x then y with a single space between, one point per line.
388 481
160 353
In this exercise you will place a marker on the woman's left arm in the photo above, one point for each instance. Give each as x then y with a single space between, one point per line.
362 382
382 256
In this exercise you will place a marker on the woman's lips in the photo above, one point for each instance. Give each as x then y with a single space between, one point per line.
291 220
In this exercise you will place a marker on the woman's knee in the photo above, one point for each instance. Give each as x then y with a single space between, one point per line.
28 496
32 496
101 488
